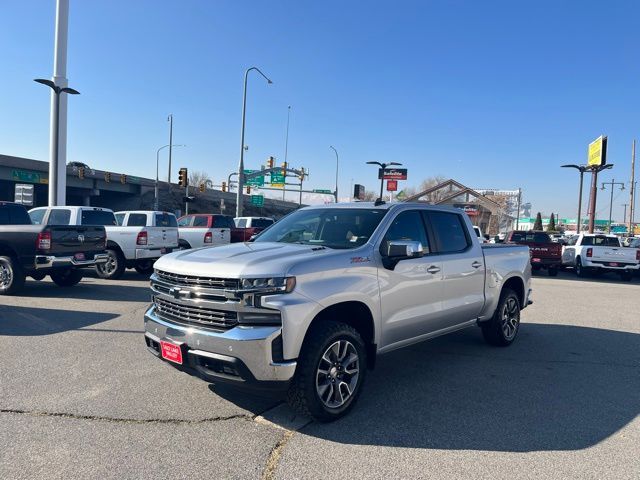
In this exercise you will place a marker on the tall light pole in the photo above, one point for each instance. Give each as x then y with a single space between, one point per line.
335 194
286 151
632 189
155 196
581 169
170 120
383 167
241 164
55 197
612 183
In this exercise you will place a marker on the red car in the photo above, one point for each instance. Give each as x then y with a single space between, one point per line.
247 227
545 254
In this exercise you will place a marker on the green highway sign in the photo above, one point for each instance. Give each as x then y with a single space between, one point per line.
257 181
322 190
27 176
277 179
257 200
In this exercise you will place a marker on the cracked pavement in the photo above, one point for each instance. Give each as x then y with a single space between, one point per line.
80 397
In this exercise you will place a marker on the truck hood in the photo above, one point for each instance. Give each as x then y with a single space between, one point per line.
261 259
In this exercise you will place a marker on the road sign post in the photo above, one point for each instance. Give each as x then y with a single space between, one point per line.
24 194
257 200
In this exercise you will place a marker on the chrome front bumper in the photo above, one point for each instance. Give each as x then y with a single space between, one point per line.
250 348
49 261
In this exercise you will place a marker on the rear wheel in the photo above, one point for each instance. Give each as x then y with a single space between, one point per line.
67 277
626 275
11 276
503 327
183 245
553 271
331 371
580 270
145 267
114 267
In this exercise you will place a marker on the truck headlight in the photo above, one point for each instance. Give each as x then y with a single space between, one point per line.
268 285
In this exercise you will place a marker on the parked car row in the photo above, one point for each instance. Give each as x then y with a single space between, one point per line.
205 229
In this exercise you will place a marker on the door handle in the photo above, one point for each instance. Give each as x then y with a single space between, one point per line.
433 269
476 264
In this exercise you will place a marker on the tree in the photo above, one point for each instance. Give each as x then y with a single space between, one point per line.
552 224
538 223
196 178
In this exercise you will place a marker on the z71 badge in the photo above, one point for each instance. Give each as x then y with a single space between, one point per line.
360 259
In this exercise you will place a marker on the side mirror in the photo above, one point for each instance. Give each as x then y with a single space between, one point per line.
403 249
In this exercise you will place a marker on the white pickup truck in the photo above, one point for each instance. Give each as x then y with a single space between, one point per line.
205 230
599 253
310 303
135 239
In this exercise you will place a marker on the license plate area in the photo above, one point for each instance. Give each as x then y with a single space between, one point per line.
171 351
613 264
535 260
79 256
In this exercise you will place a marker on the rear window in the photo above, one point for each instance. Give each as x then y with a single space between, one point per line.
223 221
14 215
200 221
137 220
37 216
120 218
98 217
530 237
166 220
601 241
59 217
261 222
241 222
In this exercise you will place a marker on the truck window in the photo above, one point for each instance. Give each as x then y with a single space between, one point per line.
166 220
98 217
120 218
185 221
18 215
261 222
530 237
59 217
200 221
241 223
137 220
406 226
223 221
601 241
37 216
4 215
449 231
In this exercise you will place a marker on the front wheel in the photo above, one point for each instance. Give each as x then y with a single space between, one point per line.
503 327
12 276
145 267
114 267
67 277
330 373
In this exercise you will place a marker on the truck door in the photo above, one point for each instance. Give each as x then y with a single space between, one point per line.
463 267
411 292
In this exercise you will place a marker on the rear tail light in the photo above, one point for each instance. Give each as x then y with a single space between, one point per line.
142 238
638 254
589 252
208 237
44 241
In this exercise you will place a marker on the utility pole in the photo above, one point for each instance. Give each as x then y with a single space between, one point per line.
518 212
170 120
632 189
612 183
624 215
286 149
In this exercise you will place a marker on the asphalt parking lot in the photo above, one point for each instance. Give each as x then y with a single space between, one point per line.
80 397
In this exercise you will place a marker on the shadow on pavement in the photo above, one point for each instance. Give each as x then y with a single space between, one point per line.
103 291
557 388
27 321
569 275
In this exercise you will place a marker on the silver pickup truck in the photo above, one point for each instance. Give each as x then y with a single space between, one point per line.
309 304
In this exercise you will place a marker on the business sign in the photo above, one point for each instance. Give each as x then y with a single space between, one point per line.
28 176
254 181
598 152
257 200
393 174
24 194
277 179
392 185
358 191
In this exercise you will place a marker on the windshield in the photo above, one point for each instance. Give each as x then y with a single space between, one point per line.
601 241
327 227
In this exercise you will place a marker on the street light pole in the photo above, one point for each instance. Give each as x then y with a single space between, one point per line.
337 162
581 169
383 167
612 183
156 193
54 198
170 120
286 150
241 164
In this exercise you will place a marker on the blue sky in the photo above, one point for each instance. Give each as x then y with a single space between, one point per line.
496 94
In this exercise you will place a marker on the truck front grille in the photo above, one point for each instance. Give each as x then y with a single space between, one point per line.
195 281
194 315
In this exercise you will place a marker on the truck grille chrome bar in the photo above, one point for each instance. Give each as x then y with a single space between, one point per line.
195 315
196 281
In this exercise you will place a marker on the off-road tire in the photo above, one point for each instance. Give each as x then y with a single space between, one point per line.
67 277
12 276
302 395
114 270
493 330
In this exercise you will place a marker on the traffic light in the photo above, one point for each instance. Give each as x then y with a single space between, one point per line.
107 177
248 189
183 179
301 176
80 173
202 187
270 162
224 186
123 178
284 168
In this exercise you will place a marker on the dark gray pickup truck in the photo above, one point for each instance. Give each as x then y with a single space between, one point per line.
40 250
